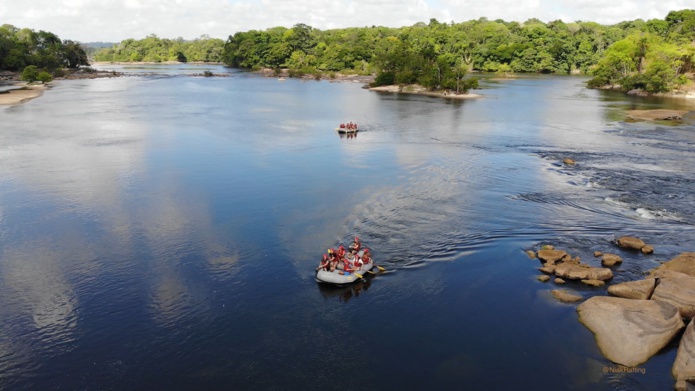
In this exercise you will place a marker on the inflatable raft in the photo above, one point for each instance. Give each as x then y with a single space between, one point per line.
345 129
335 277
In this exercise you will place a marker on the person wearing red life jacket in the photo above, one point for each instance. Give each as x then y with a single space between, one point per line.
324 264
341 251
358 262
356 245
366 256
348 263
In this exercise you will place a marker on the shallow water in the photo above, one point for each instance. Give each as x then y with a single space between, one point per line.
160 232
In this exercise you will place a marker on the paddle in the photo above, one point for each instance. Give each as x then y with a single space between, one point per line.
358 275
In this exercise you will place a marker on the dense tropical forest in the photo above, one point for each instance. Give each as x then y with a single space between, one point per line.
655 55
155 49
39 55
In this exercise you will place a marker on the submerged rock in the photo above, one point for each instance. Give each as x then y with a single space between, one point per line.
647 249
569 161
543 278
629 332
684 367
638 290
566 297
597 253
559 280
594 282
583 272
677 289
531 254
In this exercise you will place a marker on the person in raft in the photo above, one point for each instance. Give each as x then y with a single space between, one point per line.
349 264
324 264
366 256
332 259
341 251
356 245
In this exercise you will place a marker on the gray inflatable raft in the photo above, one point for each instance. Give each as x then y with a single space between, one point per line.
335 277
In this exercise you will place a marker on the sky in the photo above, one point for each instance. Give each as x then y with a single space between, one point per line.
116 20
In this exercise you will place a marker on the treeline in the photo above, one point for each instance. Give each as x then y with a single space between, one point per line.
43 51
654 59
155 49
437 55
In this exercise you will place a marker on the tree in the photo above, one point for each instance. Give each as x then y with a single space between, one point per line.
73 54
30 73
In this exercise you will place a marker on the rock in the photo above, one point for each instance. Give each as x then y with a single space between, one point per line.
639 290
629 332
597 254
531 254
647 249
683 263
548 247
543 278
679 291
551 256
656 114
548 269
593 282
631 243
569 161
684 366
567 258
566 297
610 259
559 280
583 272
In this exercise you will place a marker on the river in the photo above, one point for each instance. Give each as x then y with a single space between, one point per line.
160 231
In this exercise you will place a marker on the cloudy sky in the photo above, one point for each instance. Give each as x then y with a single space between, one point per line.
115 20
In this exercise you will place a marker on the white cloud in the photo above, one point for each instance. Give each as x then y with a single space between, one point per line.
115 20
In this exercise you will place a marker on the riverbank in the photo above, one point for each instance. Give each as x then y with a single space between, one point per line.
420 90
22 94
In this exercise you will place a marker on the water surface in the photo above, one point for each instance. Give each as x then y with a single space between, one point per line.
160 232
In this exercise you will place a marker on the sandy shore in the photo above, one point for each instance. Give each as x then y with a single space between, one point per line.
22 94
419 90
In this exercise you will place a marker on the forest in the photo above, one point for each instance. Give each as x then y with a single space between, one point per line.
155 49
654 55
39 55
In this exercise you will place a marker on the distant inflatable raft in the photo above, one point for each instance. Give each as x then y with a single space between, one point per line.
348 128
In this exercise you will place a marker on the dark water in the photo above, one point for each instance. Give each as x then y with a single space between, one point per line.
160 232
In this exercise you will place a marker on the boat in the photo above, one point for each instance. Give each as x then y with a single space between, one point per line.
335 277
348 128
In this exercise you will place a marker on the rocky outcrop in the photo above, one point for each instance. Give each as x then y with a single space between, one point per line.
647 249
559 280
684 263
569 161
684 367
678 290
583 272
629 332
531 254
638 290
565 297
543 278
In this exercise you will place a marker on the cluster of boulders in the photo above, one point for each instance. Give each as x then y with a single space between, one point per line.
641 317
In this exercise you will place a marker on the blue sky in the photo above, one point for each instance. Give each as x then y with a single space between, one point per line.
115 20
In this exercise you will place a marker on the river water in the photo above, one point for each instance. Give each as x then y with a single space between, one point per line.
160 231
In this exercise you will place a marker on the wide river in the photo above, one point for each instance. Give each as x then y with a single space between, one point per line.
160 231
